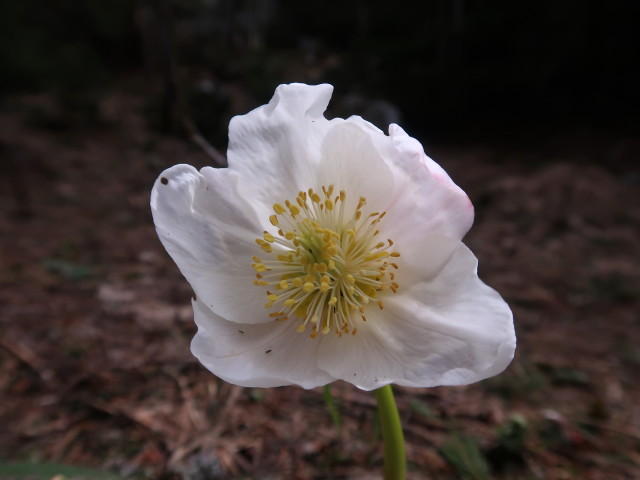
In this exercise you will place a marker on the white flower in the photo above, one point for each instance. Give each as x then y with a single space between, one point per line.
328 250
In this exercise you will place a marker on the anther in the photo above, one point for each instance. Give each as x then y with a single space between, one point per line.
327 267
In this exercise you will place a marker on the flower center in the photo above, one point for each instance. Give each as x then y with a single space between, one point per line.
324 266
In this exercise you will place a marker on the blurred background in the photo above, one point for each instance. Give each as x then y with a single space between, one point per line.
532 107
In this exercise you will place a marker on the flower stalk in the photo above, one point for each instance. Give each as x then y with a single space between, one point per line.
395 462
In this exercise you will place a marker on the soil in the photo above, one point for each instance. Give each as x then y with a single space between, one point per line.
95 321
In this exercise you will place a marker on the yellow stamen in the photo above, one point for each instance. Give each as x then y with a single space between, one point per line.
327 263
268 237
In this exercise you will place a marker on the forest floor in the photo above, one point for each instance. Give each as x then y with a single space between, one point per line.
95 322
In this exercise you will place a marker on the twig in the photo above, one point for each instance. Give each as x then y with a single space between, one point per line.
196 137
173 92
15 175
28 358
230 403
213 437
625 430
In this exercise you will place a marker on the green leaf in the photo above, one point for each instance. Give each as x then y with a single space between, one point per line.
24 470
464 454
331 406
570 376
68 270
422 409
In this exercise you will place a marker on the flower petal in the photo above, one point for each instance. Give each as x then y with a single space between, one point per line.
351 162
209 231
424 260
265 355
419 195
276 147
425 201
448 330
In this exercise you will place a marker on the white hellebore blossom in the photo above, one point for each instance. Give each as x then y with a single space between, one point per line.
328 250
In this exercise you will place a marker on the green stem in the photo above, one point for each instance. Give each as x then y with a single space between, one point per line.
395 462
331 406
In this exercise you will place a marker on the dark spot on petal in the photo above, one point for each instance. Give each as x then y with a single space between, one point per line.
241 331
164 180
195 297
268 351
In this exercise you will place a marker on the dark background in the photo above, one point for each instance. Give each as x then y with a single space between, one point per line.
456 70
531 107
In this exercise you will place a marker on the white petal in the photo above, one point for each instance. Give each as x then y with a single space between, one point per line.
276 147
210 233
351 162
427 201
424 260
369 359
418 195
265 355
448 330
